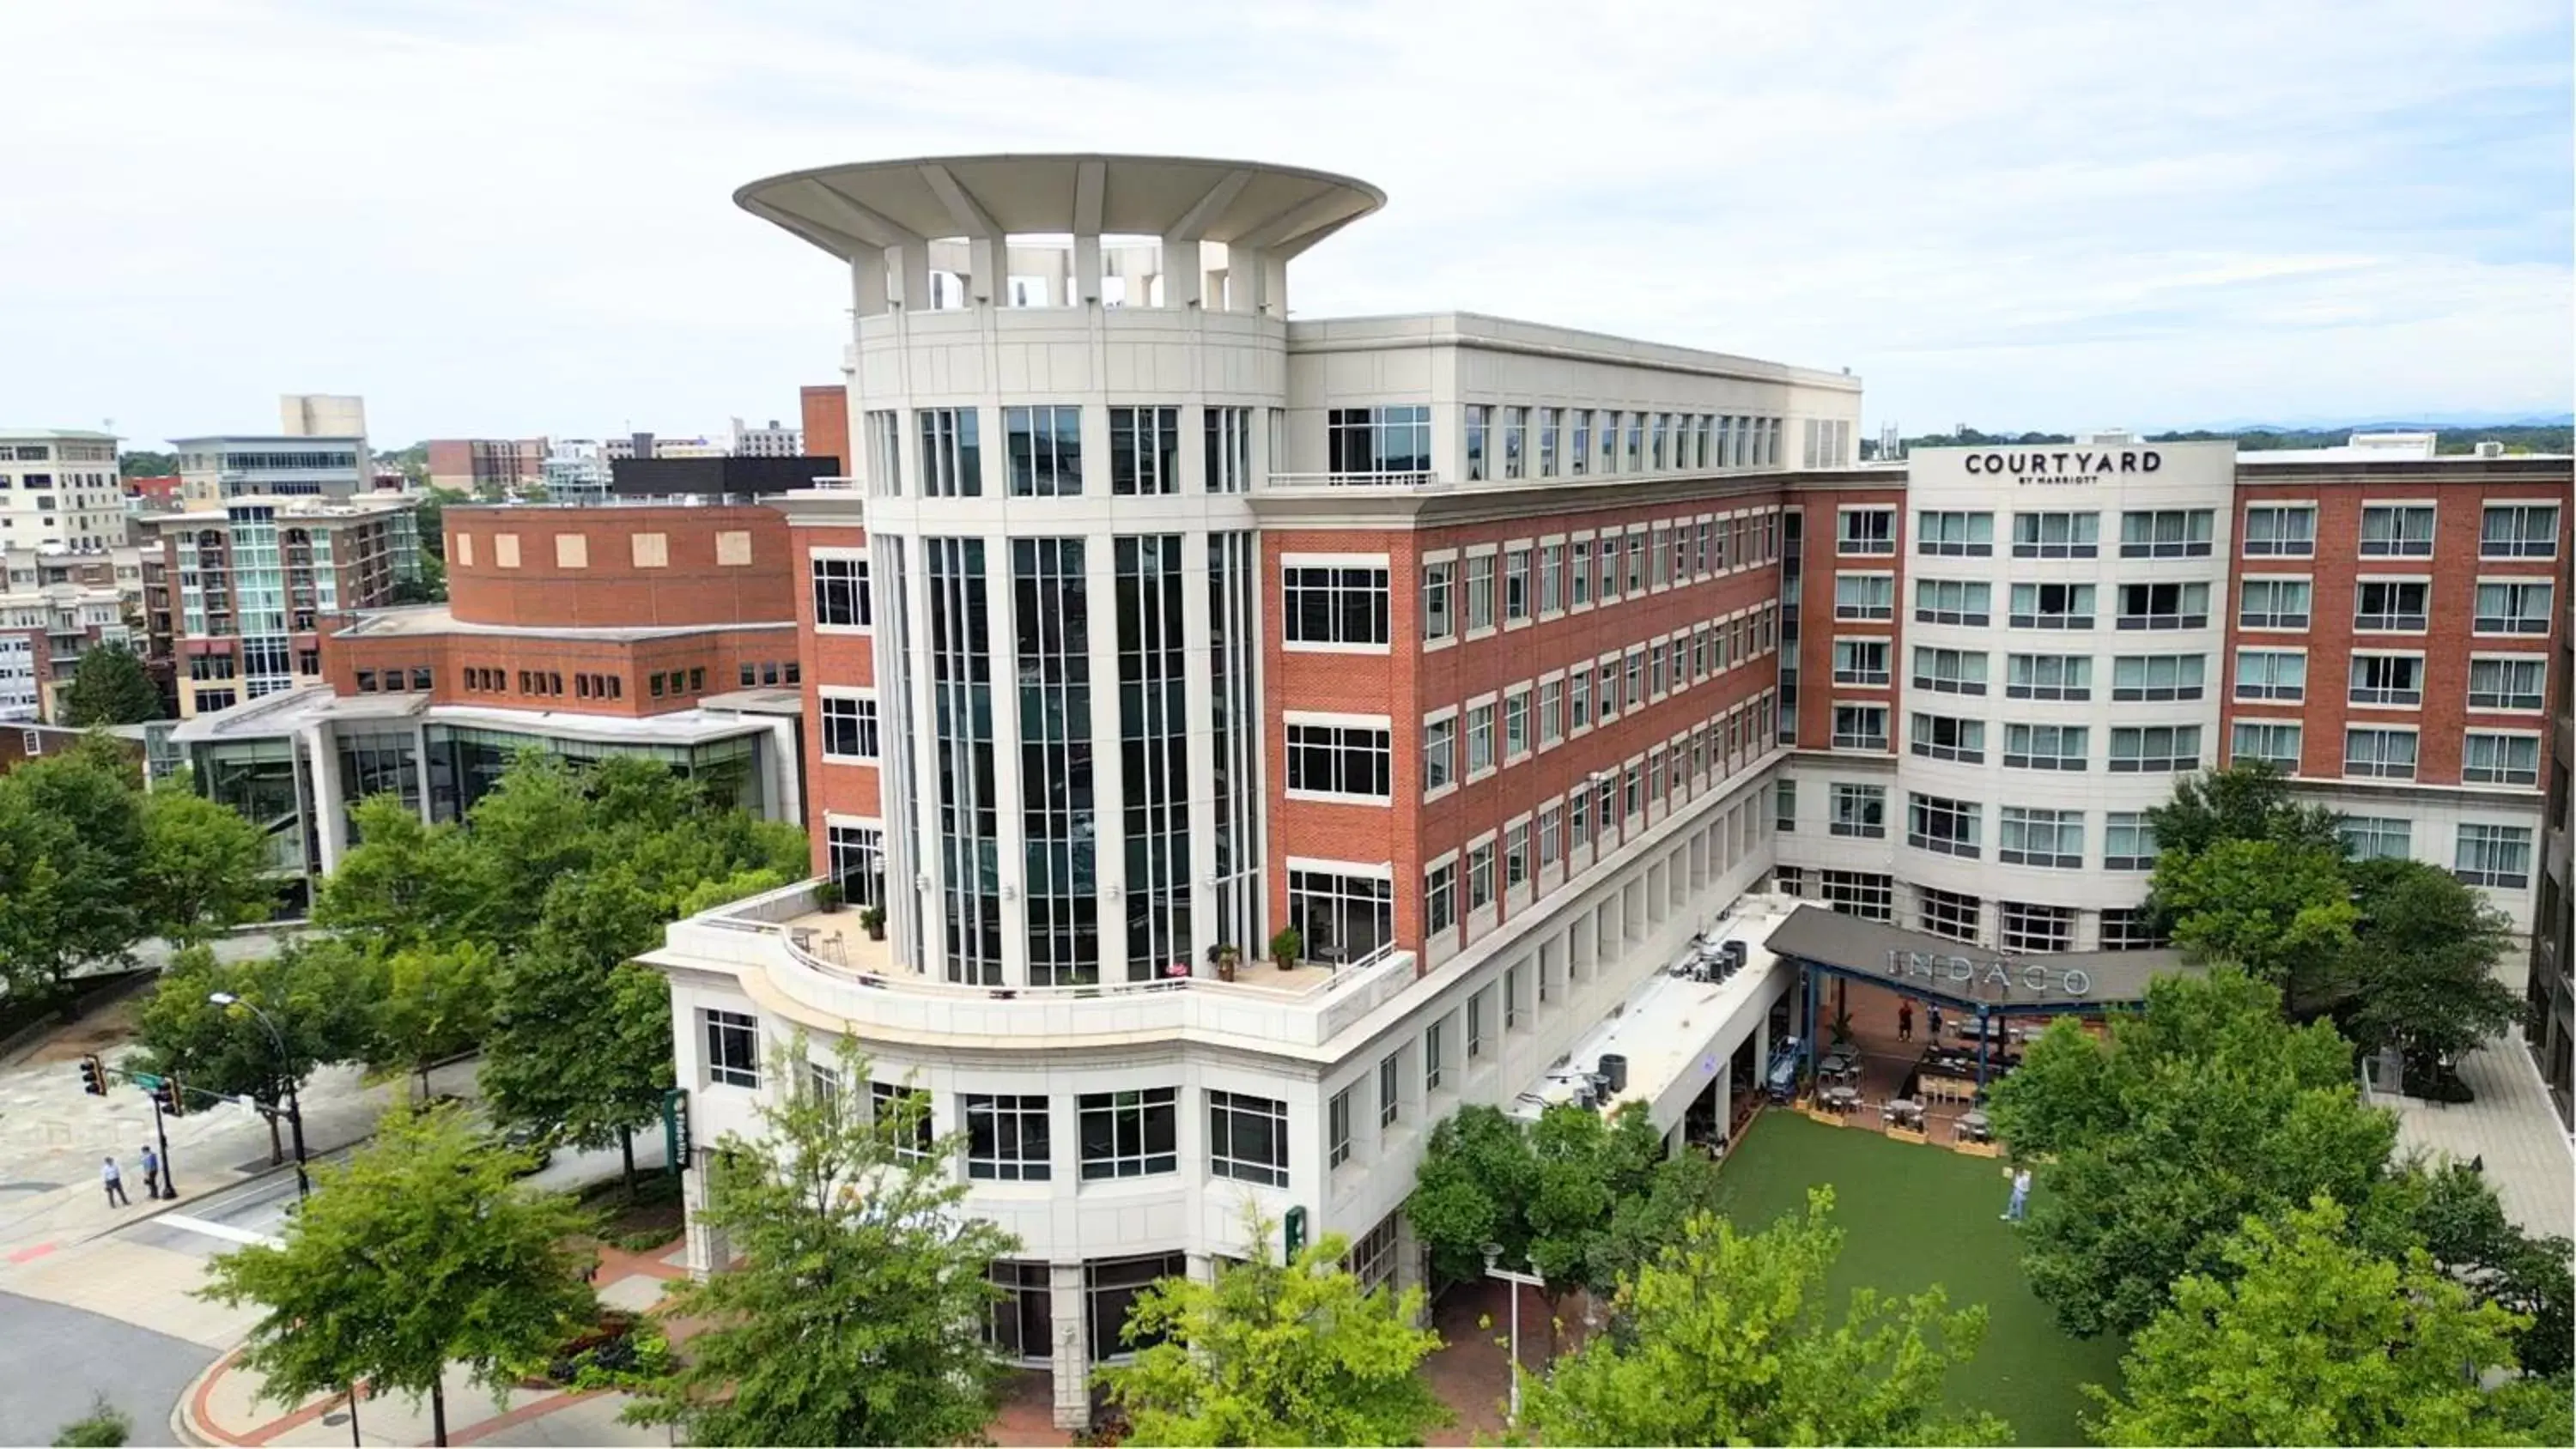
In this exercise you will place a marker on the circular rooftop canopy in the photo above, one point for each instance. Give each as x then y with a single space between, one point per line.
862 209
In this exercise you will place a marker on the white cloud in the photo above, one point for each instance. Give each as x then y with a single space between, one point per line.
516 217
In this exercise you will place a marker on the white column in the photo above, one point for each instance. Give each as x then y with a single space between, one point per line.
1072 1354
868 284
330 823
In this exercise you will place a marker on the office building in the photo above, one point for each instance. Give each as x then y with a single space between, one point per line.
216 470
487 467
772 441
59 488
55 606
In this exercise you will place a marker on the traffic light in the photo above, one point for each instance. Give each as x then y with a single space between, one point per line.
93 1075
167 1095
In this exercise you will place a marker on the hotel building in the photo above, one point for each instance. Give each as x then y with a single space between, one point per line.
1503 662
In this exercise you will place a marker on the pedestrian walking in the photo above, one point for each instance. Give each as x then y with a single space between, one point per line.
115 1182
1905 1021
151 1174
2020 1201
1933 1017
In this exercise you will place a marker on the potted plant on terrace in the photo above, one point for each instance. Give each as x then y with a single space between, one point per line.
1227 957
828 896
1286 947
872 920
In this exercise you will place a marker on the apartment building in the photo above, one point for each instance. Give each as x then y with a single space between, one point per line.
218 469
487 467
236 596
1449 640
661 631
59 488
772 440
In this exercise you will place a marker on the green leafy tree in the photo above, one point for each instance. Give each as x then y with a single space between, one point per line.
110 687
71 838
2204 1110
2249 800
2454 1214
1273 1353
421 1251
1727 1338
313 991
144 463
854 1312
407 882
1644 1223
2422 971
431 1003
2283 911
2311 1339
1477 1173
204 867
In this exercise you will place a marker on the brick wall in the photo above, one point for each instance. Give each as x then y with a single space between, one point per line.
593 568
827 424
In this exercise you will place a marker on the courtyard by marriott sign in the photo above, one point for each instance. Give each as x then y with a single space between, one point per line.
2031 976
2065 465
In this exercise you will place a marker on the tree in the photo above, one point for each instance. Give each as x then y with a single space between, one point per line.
110 687
406 882
2204 1110
204 867
2422 973
2249 800
854 1250
2282 911
71 834
2454 1214
2313 1340
430 1003
1644 1223
144 463
312 990
1726 1338
1273 1353
422 1251
1475 1178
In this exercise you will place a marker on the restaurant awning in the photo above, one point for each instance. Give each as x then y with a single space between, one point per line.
1969 977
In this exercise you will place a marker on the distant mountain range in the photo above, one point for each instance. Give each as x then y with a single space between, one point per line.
2433 422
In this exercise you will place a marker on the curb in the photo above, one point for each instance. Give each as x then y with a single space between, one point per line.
184 1418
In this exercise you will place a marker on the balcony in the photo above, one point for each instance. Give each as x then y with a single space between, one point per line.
1301 482
823 969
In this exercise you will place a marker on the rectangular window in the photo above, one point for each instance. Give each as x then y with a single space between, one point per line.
2498 856
1859 811
2131 928
2045 747
2052 606
1578 453
1337 1129
2496 759
1551 578
2128 841
1943 534
1480 592
1144 451
903 1113
2267 740
1516 585
1860 727
1516 861
1953 601
1229 450
2271 674
2048 676
1784 807
2390 604
2379 753
1548 425
2388 680
733 1047
2057 535
1551 836
952 460
2050 839
1551 705
2280 531
1343 760
2512 608
1636 442
1862 661
1946 737
849 727
1329 606
2031 929
1516 731
1951 827
1390 1090
1636 556
2378 837
1130 1134
2397 530
1248 1138
1440 897
2519 530
1439 601
841 593
1578 693
2154 749
1864 596
1865 531
1480 427
1949 913
1439 753
1515 441
1044 447
2516 683
2164 606
1480 739
1007 1138
1865 894
2167 533
1435 1063
1579 577
2158 676
2273 603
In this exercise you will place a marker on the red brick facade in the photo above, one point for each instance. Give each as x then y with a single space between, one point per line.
1819 566
840 658
827 424
641 567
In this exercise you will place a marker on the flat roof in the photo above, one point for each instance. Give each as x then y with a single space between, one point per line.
288 711
419 620
353 439
1969 976
77 435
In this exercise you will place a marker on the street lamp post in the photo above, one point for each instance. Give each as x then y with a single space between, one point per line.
286 1070
1494 1269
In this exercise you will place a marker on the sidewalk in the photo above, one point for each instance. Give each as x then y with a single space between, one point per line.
223 1406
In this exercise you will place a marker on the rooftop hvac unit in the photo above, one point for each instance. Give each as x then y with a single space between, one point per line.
1614 1072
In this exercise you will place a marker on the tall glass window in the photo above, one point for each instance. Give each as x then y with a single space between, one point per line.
1153 738
1045 447
1051 630
1229 450
952 456
1378 441
1144 451
961 686
1235 728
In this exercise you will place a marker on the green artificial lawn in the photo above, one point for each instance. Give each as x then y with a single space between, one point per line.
1914 1215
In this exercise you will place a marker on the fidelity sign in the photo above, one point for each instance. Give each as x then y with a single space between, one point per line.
2065 465
2029 975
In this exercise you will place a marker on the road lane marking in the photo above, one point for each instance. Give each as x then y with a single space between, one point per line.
225 1231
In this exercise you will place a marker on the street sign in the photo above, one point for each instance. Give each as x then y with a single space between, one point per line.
676 1144
146 1080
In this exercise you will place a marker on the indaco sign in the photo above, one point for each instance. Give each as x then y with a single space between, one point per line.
2065 465
2030 976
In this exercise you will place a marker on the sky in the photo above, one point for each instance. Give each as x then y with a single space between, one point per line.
514 217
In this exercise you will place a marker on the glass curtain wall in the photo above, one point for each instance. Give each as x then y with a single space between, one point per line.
1051 630
1153 720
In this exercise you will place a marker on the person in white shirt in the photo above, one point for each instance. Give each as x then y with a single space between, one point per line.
115 1182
